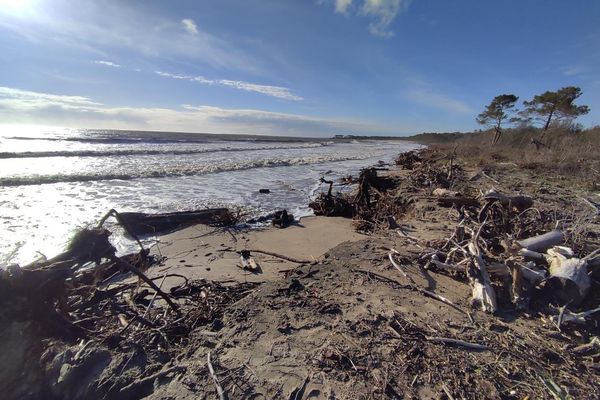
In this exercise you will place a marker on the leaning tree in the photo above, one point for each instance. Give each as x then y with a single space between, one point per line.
550 107
496 112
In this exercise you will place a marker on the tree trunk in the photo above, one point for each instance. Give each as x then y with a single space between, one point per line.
547 124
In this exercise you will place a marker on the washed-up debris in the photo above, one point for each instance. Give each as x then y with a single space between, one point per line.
282 219
72 297
144 224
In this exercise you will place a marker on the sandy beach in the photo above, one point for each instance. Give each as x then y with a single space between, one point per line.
326 314
203 252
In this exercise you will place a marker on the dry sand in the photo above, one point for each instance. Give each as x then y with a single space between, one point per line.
203 252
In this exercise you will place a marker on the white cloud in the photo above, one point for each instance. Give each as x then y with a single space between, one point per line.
268 90
341 6
107 63
19 99
273 91
384 12
574 70
21 106
190 26
168 75
102 28
381 12
438 100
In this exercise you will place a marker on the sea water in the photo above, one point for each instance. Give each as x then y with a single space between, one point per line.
53 182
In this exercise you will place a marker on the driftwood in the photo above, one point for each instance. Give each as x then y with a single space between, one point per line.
414 286
211 370
457 201
519 202
457 342
145 224
569 279
441 192
577 318
483 292
542 242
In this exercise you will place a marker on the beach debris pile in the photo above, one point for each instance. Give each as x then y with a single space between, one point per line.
508 247
513 252
369 206
73 327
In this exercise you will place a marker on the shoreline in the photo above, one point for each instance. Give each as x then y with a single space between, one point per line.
340 320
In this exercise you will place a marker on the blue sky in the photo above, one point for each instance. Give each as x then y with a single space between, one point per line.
289 67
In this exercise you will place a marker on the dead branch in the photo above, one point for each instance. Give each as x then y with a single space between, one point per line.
220 391
457 342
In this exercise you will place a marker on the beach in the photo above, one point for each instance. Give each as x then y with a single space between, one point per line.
328 311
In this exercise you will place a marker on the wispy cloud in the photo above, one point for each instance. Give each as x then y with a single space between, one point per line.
384 12
574 70
441 101
341 6
107 63
190 26
24 99
273 91
381 12
125 26
174 76
268 90
23 106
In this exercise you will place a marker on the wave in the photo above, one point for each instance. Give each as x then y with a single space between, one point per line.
192 171
144 152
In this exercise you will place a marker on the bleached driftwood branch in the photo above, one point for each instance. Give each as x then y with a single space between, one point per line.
483 292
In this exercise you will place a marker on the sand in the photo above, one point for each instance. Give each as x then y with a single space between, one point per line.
346 325
203 252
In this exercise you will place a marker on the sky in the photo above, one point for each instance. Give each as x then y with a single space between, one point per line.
289 67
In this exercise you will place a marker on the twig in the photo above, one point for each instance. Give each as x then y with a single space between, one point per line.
419 289
220 392
447 391
490 178
381 277
155 294
474 346
270 253
143 277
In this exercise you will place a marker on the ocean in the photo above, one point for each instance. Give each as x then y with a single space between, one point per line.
55 181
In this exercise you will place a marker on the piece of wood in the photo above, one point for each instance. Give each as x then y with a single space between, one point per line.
144 224
457 201
457 342
482 292
569 279
441 192
578 318
518 202
414 286
542 242
211 370
143 277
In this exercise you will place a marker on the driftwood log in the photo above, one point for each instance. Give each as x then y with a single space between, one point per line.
542 242
483 293
519 203
145 224
457 201
569 280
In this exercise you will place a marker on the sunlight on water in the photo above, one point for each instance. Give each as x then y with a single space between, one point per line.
156 173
